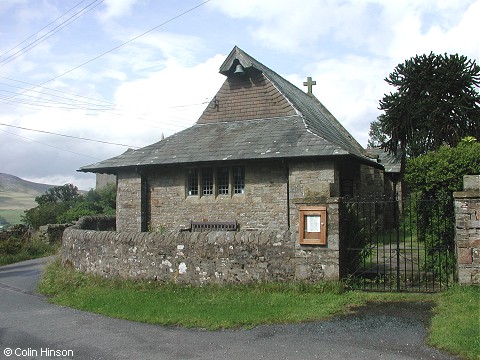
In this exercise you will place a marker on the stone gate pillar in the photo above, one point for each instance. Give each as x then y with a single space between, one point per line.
467 231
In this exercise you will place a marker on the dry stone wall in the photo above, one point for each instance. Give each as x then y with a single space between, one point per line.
195 258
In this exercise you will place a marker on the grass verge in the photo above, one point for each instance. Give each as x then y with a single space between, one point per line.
246 306
456 324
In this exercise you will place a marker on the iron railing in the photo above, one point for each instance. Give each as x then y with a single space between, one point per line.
393 245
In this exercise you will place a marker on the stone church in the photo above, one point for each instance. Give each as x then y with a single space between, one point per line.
264 154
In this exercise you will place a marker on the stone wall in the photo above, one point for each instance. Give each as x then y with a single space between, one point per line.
467 234
262 206
51 233
371 182
195 258
319 259
129 205
103 180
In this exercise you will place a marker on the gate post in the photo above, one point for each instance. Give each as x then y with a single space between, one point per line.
467 231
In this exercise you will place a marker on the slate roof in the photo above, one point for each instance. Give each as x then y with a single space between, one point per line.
311 131
390 162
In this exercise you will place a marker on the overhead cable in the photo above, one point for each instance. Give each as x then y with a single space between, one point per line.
52 32
113 49
69 136
52 146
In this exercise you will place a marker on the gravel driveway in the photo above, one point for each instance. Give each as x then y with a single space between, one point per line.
31 328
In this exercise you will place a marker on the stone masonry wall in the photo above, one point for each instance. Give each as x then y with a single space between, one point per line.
262 206
371 182
315 183
193 258
467 234
128 202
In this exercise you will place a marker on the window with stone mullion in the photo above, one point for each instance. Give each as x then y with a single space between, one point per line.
192 182
207 181
238 180
223 182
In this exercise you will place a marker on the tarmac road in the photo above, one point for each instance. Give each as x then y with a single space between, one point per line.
31 328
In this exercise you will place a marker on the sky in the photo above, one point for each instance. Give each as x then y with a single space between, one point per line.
82 81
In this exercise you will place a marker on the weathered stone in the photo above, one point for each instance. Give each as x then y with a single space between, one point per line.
467 235
198 258
471 183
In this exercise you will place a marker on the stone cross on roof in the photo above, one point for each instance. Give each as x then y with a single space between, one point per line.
309 83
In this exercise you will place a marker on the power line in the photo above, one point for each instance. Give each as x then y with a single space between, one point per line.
50 89
50 33
55 102
69 136
115 48
52 146
95 104
93 101
28 38
180 127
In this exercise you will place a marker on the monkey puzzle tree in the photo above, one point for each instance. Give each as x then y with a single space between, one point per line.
436 103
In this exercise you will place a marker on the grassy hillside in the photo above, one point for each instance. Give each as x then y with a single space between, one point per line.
18 195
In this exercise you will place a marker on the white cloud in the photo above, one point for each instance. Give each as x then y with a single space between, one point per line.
165 101
117 8
381 28
173 97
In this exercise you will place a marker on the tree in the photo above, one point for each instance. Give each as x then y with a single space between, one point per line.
436 103
376 136
433 177
63 204
438 174
95 202
64 193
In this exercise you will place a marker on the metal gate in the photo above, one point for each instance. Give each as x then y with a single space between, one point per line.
392 245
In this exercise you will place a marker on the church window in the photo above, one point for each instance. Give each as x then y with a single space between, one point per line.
207 181
238 180
215 181
192 182
223 180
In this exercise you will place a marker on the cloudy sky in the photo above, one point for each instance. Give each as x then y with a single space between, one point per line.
124 72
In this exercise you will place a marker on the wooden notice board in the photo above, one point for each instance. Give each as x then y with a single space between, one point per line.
313 225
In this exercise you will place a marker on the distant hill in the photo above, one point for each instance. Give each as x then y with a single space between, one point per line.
19 194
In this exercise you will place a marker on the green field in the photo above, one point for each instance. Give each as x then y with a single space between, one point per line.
16 196
12 216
